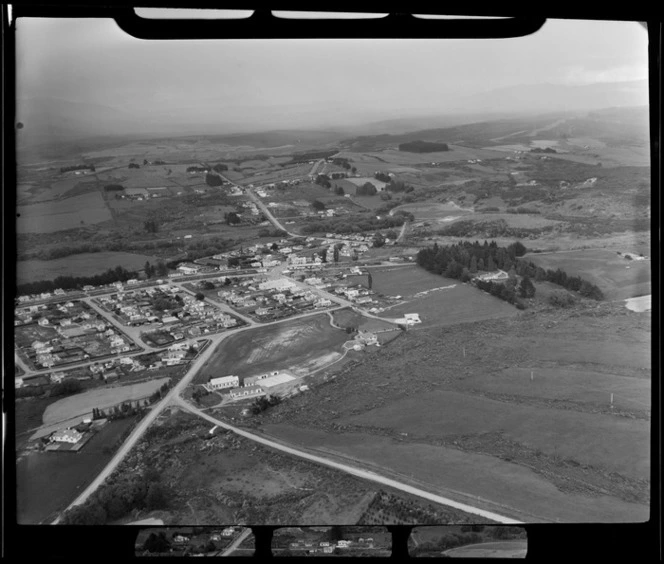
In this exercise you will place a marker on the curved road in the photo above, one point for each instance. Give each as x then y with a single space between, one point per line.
364 474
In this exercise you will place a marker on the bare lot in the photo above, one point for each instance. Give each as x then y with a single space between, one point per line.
301 345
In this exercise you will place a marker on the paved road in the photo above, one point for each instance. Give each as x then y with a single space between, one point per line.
364 474
134 333
172 395
150 417
315 166
237 542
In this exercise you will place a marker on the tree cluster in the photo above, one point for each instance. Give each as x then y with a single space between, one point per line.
220 167
561 278
232 218
198 169
113 188
77 167
213 180
323 180
151 225
342 162
352 224
383 177
134 165
367 189
266 232
423 147
318 205
263 402
117 274
66 388
115 500
398 186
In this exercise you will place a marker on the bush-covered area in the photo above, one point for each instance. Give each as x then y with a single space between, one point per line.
423 147
352 224
118 498
490 229
113 188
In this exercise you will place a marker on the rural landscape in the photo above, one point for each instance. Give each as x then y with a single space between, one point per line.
385 324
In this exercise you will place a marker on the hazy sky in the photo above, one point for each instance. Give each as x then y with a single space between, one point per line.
94 61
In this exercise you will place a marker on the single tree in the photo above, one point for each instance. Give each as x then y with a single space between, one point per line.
526 288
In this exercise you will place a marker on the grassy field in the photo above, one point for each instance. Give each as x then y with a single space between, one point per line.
80 404
461 397
48 481
503 549
48 217
301 345
451 306
617 277
430 210
85 264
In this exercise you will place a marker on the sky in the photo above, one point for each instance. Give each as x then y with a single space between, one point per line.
269 81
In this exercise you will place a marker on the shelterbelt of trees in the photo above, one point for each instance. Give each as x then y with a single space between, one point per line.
463 260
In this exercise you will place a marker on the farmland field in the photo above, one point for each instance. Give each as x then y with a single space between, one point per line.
81 404
84 264
48 217
548 448
301 345
617 277
48 481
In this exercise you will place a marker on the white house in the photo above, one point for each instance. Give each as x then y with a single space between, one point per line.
247 391
66 436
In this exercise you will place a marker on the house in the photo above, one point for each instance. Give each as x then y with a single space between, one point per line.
251 380
112 375
180 539
262 311
57 378
71 436
228 532
247 391
59 292
367 338
43 321
187 269
223 382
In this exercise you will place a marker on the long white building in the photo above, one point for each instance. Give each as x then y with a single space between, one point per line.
223 382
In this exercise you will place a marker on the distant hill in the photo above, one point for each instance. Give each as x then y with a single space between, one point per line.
537 98
618 124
